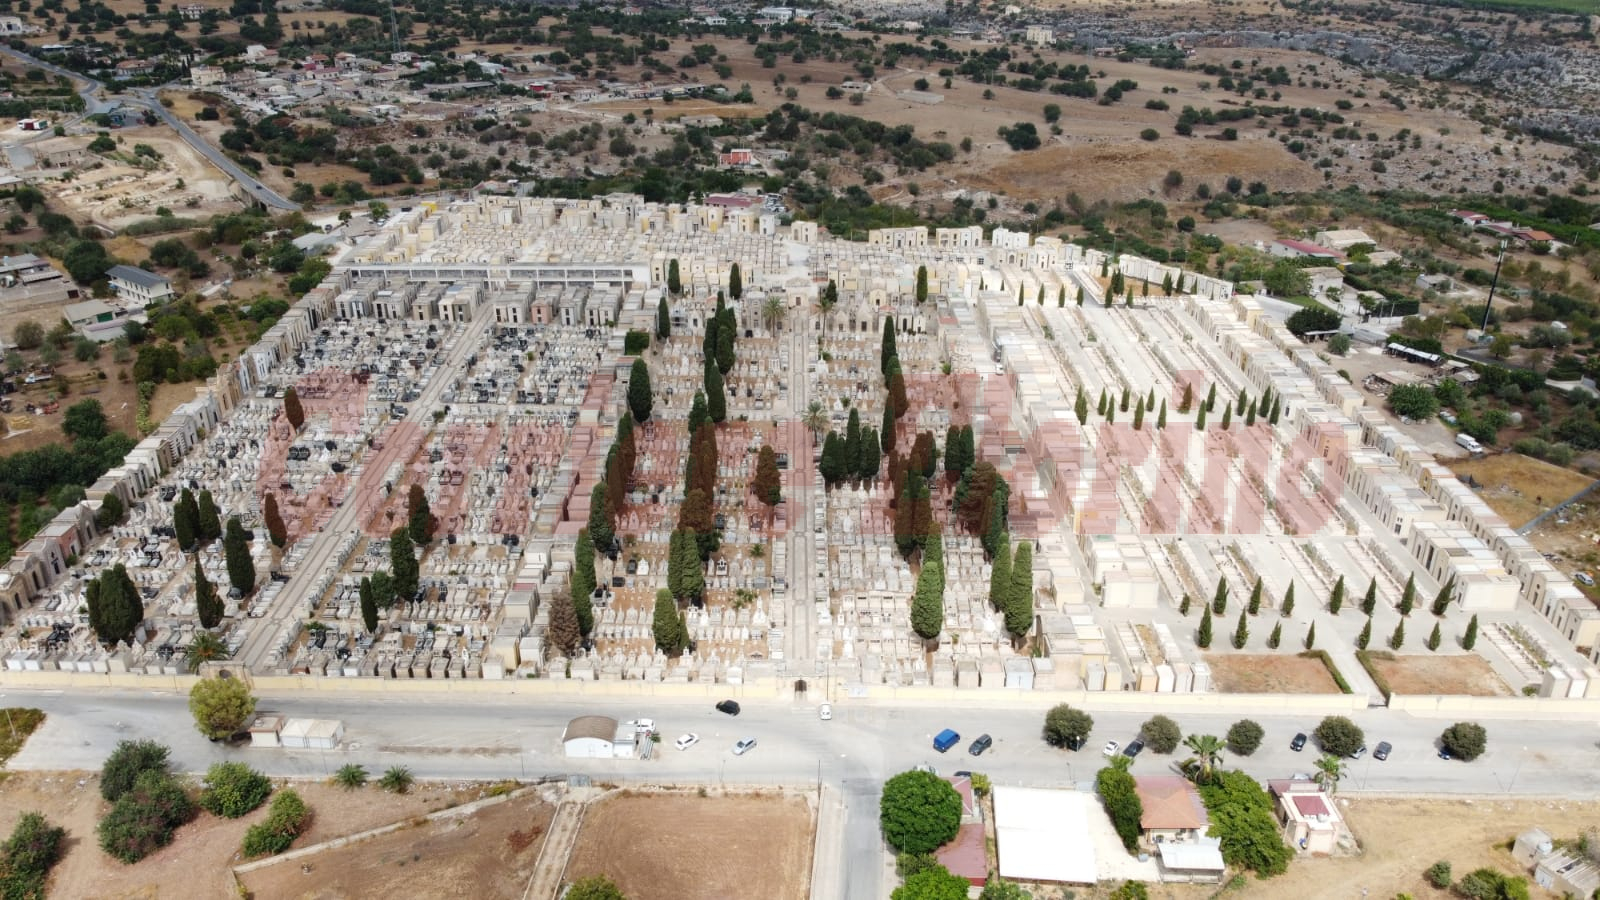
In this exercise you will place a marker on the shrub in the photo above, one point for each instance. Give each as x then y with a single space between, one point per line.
1339 736
1438 874
1465 740
126 763
26 857
285 820
1244 737
350 776
635 342
1161 734
233 789
144 817
397 780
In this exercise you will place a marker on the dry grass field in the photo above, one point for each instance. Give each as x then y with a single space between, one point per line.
1243 673
1456 674
1520 487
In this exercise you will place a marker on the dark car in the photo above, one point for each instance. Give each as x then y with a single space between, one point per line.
983 743
1133 749
728 706
1382 750
1444 753
1299 742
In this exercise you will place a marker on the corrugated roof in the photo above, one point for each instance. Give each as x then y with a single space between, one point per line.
601 728
137 276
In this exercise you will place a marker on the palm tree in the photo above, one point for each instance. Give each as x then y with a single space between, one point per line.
206 647
772 311
815 420
1330 769
1207 750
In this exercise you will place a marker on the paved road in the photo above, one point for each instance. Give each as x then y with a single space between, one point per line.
146 97
88 89
492 737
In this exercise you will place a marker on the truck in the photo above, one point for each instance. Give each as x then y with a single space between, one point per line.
1468 443
945 739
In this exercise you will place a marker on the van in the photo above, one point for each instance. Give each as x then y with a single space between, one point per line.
945 739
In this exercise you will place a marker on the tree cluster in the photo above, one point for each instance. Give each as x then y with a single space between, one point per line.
1241 816
148 804
854 455
982 497
1121 800
286 818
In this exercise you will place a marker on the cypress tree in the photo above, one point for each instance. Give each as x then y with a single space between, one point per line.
1275 636
667 626
1255 597
1187 401
1138 416
210 523
274 521
1123 404
1408 597
1243 400
663 320
1100 410
675 563
850 446
767 483
1019 295
674 279
419 516
641 399
369 606
735 282
1287 607
1219 601
1434 637
1471 637
887 350
1000 574
292 409
698 413
886 431
1080 295
1166 285
871 459
954 465
1061 297
236 548
1150 399
1183 607
1365 637
1370 601
716 395
1211 398
922 284
1336 599
583 578
602 529
1019 597
1266 398
207 602
1250 416
1272 418
1241 633
927 603
403 564
1202 637
1161 418
1200 420
186 520
1080 406
727 331
1311 637
1111 414
564 633
115 607
1398 638
1227 417
898 400
1441 600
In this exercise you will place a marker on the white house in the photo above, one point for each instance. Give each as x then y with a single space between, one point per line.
136 286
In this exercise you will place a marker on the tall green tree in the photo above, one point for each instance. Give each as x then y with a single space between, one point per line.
1241 634
1019 597
674 280
292 409
922 284
716 395
1255 597
886 431
369 606
735 282
927 603
403 564
115 607
186 520
207 602
1202 638
727 332
276 530
1370 601
667 626
1408 597
236 549
210 522
641 399
887 350
1161 417
564 633
663 320
1000 575
1080 407
767 484
1286 608
871 459
419 516
1441 600
1336 599
1469 639
583 578
1219 600
602 519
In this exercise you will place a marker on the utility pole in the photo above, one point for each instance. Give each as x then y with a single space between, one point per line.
1493 283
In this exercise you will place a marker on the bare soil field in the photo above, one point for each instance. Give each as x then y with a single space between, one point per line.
1244 673
1401 838
678 847
1457 674
118 193
1520 487
197 862
490 853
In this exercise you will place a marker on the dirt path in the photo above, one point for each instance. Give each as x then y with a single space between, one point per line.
558 844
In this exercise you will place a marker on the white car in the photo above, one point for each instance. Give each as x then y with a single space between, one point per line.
687 741
1111 748
744 746
825 712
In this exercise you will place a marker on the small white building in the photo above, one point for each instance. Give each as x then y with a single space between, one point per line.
1040 34
599 737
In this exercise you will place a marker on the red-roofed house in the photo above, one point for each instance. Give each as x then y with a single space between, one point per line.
967 855
1310 820
1293 249
731 201
1468 217
1173 810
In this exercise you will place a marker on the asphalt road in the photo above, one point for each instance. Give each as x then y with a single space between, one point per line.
146 97
458 737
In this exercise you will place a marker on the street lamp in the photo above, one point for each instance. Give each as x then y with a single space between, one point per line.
1493 283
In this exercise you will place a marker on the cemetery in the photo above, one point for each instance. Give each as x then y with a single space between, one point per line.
674 445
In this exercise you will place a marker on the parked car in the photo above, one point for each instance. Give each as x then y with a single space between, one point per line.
1444 753
1583 578
744 746
1299 742
1360 752
1111 748
945 739
924 767
1134 748
731 707
687 741
1382 753
983 743
825 712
